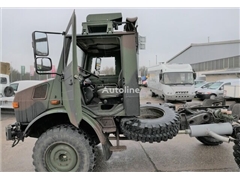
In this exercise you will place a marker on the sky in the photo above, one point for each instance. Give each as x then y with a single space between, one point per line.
168 31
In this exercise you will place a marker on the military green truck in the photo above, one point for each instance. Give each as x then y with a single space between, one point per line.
81 107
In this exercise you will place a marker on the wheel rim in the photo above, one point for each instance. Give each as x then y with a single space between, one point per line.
61 157
212 97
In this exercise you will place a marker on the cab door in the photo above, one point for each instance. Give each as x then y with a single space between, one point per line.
70 85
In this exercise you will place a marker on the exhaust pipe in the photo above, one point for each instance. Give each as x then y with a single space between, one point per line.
203 129
213 130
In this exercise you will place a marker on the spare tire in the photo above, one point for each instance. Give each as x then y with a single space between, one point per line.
156 123
8 91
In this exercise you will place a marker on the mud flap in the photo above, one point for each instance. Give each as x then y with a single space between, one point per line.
106 149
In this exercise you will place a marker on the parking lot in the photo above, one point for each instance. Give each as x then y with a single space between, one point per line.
182 153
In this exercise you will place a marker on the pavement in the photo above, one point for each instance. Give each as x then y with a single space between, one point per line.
181 154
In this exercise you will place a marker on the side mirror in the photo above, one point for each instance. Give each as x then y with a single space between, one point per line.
160 76
221 88
98 64
40 43
43 64
194 75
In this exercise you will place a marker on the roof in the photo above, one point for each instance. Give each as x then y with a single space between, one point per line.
201 52
171 68
226 71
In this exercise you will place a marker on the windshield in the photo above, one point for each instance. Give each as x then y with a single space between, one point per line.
215 85
199 85
178 78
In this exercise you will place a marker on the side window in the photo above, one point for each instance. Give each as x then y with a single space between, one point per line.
80 56
14 86
108 66
221 88
3 80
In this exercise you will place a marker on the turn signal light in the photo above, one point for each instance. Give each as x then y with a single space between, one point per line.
55 102
15 105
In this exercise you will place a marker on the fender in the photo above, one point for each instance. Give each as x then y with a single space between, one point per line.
92 122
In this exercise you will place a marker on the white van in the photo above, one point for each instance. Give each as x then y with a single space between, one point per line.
172 82
216 89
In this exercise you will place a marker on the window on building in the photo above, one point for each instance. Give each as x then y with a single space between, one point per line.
231 62
225 63
237 61
210 65
221 61
206 66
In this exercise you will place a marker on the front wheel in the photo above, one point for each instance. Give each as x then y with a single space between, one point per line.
212 96
63 148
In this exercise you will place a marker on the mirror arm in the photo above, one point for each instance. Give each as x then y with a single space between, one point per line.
40 73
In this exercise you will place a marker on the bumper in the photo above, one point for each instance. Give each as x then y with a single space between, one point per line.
180 97
13 132
203 96
6 103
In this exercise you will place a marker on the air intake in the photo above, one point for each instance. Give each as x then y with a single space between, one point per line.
40 92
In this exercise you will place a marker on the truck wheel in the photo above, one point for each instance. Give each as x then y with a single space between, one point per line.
236 151
155 124
209 141
63 148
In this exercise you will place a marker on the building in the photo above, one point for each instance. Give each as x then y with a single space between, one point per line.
215 60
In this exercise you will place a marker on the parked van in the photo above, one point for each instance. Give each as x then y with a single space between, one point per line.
172 82
216 89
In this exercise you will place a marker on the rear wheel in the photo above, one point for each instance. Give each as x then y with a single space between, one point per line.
236 150
209 141
63 148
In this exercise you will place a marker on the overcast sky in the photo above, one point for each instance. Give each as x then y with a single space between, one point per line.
167 30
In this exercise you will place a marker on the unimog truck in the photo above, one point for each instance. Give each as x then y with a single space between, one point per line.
81 107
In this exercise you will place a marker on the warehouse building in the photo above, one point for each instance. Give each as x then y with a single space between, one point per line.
215 60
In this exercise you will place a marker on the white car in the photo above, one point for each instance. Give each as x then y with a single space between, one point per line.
216 89
202 86
6 102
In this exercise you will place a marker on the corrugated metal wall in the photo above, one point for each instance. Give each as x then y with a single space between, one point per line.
197 54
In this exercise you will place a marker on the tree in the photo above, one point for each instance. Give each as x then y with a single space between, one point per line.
108 71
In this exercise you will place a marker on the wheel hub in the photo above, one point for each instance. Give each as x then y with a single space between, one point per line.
61 157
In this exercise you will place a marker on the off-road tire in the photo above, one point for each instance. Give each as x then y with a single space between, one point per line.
155 124
236 151
209 141
64 148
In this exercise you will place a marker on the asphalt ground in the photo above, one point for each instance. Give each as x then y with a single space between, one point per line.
181 154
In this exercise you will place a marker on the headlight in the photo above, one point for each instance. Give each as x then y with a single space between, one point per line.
207 92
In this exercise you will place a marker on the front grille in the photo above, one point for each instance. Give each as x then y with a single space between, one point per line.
40 92
181 92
